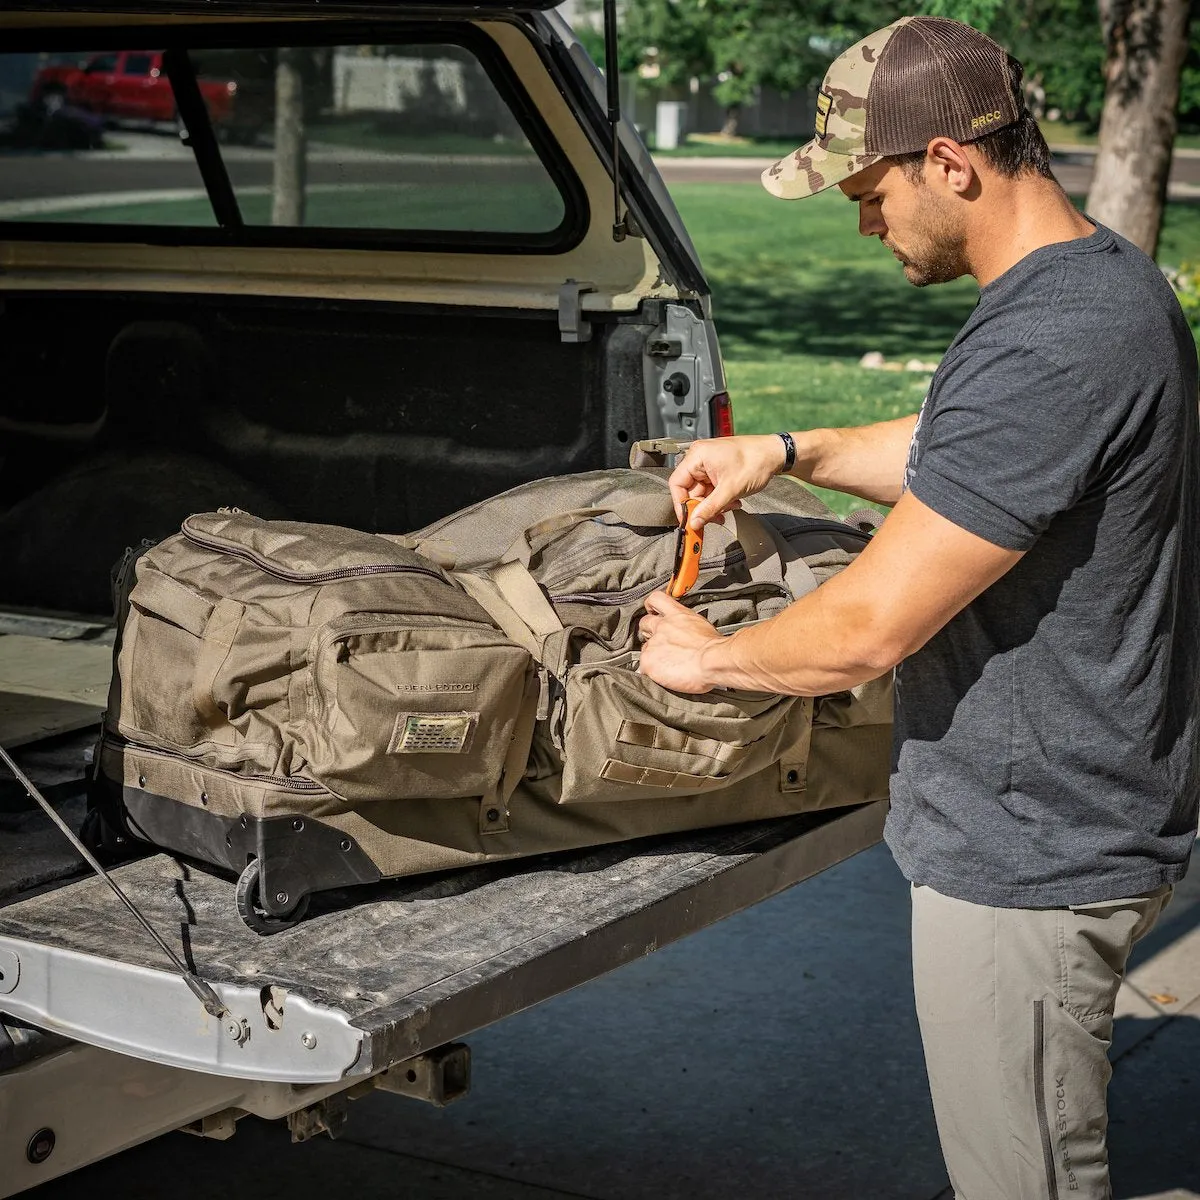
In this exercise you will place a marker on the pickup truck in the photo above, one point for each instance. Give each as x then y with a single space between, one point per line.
454 268
125 85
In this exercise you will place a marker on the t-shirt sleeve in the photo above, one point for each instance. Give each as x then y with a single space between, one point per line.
1006 443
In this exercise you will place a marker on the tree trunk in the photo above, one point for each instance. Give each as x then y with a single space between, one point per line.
1146 42
733 116
291 150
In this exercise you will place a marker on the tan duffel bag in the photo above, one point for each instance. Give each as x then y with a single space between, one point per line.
312 707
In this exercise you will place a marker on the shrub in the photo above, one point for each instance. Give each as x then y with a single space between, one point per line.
1185 279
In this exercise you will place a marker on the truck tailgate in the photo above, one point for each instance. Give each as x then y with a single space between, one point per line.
376 975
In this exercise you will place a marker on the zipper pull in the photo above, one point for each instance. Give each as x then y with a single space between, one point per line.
543 706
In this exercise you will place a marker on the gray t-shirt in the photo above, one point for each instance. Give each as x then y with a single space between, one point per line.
1046 739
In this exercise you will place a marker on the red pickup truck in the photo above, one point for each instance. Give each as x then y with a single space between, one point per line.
125 85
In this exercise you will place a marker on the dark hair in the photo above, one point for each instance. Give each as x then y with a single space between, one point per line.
1017 149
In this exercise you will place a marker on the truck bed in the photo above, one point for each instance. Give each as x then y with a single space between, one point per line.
374 975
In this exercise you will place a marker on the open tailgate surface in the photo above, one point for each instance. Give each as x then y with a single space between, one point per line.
378 974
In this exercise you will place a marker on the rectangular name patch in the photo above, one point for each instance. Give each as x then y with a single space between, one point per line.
433 733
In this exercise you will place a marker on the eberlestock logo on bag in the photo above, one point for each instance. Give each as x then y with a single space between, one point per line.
435 687
986 119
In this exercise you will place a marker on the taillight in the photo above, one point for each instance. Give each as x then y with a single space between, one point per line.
721 409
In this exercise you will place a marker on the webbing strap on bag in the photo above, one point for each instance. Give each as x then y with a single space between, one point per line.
618 771
521 590
488 597
215 644
528 620
769 557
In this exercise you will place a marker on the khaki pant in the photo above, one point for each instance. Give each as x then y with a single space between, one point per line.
1016 1013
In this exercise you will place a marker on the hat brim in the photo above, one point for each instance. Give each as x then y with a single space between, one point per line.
812 169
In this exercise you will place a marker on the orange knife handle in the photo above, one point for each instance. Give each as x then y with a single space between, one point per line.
688 548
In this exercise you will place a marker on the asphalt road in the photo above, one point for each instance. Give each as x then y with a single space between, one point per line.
51 177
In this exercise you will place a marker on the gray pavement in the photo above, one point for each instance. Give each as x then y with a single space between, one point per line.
773 1055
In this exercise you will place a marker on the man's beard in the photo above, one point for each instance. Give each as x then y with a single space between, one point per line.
937 252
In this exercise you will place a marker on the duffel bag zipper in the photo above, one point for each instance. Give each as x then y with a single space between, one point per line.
628 595
272 568
372 623
786 529
291 783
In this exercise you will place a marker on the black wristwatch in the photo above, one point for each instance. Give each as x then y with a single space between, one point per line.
789 448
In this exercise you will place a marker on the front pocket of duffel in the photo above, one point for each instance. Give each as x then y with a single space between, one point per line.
627 738
398 712
164 646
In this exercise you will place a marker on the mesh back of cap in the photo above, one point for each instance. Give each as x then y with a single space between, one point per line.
937 78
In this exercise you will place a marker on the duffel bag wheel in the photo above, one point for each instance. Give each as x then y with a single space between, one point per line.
253 915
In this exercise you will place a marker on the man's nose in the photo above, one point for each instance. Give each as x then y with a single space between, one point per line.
870 223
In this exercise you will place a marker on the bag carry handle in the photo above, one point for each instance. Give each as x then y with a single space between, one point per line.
172 601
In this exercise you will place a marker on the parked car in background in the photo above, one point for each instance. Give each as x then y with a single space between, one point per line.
125 85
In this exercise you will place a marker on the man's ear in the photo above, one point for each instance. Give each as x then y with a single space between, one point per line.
948 162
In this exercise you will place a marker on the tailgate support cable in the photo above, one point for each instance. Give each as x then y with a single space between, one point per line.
620 229
203 992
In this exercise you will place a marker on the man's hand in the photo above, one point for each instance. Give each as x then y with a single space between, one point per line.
720 471
673 640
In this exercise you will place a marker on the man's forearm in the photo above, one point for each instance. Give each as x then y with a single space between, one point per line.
819 645
866 461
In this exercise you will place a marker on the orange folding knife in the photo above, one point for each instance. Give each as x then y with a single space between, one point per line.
688 545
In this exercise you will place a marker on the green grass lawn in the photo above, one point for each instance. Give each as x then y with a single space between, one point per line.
799 297
390 136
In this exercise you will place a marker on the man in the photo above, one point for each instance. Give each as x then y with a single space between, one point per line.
1034 586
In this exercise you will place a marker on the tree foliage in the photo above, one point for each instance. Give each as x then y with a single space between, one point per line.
743 44
738 46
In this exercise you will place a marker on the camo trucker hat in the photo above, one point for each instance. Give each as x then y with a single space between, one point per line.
892 93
